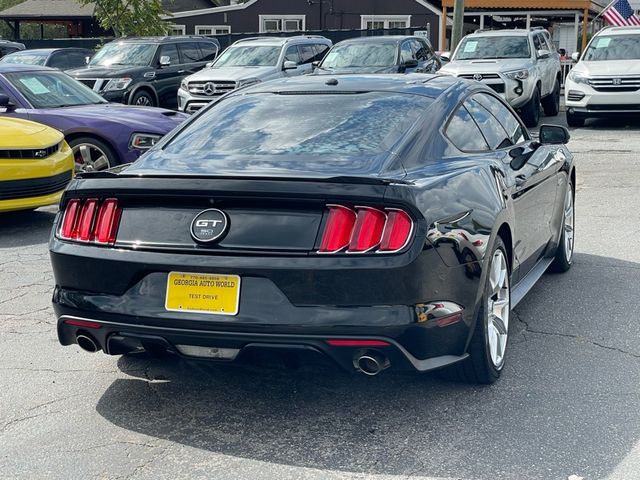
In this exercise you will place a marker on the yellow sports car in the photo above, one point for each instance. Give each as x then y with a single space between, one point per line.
36 164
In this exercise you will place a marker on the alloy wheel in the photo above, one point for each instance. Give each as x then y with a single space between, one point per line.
143 101
89 158
569 225
498 309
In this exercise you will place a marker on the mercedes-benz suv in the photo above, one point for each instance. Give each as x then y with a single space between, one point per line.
521 65
606 80
249 61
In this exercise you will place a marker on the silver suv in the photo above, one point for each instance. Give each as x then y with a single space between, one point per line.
521 65
250 61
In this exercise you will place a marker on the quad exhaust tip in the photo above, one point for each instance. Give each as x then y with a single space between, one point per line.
87 343
371 363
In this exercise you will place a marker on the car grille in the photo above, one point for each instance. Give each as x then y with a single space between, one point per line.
483 76
34 187
615 84
211 88
37 153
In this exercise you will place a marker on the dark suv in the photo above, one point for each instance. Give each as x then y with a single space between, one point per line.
146 71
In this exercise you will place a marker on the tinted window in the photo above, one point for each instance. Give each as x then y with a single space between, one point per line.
494 134
464 133
209 51
256 129
321 50
59 60
169 50
406 53
307 53
291 54
190 52
507 119
475 47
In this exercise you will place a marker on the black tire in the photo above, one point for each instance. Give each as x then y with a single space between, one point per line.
530 113
479 368
109 154
143 98
575 121
564 257
551 103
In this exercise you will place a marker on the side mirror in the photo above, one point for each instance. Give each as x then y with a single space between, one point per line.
165 61
6 103
289 65
315 64
444 58
544 53
87 59
554 135
208 65
575 56
413 63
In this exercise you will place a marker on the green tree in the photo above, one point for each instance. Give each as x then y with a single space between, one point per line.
130 17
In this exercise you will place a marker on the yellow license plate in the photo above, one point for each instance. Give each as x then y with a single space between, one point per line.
203 293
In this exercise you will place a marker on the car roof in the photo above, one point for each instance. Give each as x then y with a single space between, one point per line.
23 67
498 33
380 39
282 40
619 30
415 83
166 39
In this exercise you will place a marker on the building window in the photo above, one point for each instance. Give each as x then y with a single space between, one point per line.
376 22
213 29
177 30
282 23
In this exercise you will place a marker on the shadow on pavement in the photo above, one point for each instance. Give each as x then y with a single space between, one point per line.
24 228
568 402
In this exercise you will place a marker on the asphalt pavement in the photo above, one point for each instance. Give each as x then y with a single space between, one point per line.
567 406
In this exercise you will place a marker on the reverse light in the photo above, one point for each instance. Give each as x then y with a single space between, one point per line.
91 221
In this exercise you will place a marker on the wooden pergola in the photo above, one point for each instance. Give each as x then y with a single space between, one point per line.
527 8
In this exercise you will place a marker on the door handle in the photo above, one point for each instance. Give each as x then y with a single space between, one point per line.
181 71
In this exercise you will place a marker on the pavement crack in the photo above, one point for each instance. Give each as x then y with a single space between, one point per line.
25 418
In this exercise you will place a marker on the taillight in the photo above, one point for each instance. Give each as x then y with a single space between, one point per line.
365 229
91 221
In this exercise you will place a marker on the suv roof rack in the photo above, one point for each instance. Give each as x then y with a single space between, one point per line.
536 28
254 38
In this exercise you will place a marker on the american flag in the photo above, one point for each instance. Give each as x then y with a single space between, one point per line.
620 13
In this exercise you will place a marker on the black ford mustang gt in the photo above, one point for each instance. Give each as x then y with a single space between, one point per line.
382 221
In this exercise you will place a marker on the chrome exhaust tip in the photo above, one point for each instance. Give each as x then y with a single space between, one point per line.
87 343
371 363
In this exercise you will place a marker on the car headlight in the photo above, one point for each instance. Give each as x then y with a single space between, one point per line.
247 81
143 141
578 78
183 85
517 74
117 84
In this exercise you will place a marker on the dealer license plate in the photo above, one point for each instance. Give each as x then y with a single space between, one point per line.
203 293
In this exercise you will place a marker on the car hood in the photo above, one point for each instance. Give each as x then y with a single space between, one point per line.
18 133
486 65
232 73
106 72
347 70
608 68
146 119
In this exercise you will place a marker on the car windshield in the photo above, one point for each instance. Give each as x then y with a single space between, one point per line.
29 58
52 89
267 133
124 53
472 48
249 56
614 47
361 55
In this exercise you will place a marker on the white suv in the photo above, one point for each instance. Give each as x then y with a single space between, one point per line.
521 65
249 61
606 80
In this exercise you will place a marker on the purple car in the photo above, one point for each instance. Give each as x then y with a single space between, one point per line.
101 134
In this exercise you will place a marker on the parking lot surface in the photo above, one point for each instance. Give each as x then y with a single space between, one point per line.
568 404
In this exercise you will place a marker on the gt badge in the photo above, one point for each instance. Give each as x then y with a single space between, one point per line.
209 225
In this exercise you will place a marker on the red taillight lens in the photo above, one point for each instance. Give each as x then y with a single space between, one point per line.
85 230
108 220
337 231
396 231
68 230
82 323
367 230
357 343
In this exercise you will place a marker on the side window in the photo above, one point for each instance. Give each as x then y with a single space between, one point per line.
405 52
495 135
190 52
307 53
537 43
507 119
78 59
209 51
59 60
423 52
464 133
170 50
321 51
291 54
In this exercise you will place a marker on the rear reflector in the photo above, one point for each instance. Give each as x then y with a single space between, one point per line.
337 232
357 343
367 230
82 323
91 221
397 231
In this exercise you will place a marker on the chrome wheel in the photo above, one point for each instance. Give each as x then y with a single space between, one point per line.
498 309
569 224
89 157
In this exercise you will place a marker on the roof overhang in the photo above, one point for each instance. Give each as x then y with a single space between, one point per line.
595 6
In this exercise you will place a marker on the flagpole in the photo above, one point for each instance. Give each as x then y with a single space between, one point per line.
603 10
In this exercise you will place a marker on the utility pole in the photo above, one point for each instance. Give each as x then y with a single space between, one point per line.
458 24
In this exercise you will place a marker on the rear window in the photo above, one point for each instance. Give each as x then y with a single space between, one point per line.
296 127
